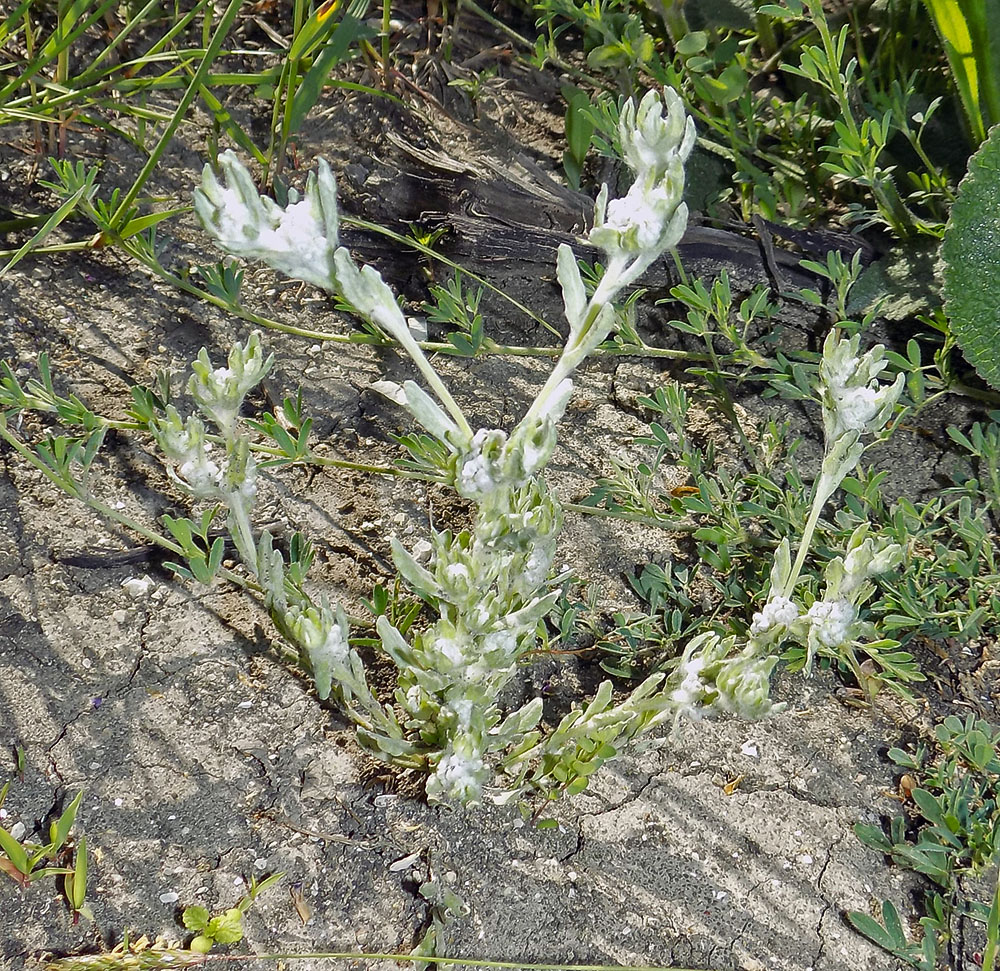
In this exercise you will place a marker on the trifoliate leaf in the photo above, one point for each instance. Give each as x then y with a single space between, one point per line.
971 254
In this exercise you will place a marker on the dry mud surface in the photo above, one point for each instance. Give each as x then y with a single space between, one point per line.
205 759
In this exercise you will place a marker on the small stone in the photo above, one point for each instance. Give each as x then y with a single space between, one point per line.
171 897
118 616
749 749
397 866
137 587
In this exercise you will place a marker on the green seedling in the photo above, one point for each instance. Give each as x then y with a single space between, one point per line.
580 128
75 883
456 305
21 861
225 927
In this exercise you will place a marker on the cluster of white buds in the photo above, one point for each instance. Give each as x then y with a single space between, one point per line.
323 634
219 392
708 677
832 623
298 240
183 443
851 395
778 614
652 216
194 470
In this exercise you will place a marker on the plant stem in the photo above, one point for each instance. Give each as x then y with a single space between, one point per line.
386 25
992 931
468 962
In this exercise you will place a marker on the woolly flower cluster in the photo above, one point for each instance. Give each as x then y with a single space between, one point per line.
298 240
651 216
185 445
777 612
830 621
458 776
708 678
492 461
322 633
219 394
852 397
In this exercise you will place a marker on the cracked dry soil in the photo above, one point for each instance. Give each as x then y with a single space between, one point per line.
205 759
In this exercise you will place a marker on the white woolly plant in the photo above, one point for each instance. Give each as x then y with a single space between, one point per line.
854 403
229 478
491 586
733 674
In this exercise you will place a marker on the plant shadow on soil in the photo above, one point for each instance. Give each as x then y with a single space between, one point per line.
206 759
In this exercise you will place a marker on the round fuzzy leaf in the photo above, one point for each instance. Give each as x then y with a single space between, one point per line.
195 918
971 254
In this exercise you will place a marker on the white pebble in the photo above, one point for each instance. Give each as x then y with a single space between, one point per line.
137 587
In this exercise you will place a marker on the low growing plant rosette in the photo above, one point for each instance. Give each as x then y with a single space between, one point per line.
492 586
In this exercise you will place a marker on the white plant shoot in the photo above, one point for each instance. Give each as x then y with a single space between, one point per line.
491 586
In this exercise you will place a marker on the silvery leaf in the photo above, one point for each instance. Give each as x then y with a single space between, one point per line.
421 580
427 411
389 389
574 294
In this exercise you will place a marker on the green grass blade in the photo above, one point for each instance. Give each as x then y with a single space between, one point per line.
14 851
227 123
78 882
957 41
61 830
334 51
992 931
54 220
983 18
225 25
56 45
11 24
